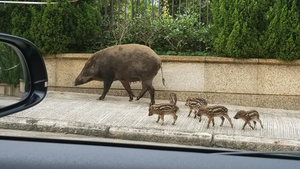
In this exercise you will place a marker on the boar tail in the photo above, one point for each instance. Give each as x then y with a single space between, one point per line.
162 75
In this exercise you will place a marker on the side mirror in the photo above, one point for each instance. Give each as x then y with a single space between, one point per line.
23 75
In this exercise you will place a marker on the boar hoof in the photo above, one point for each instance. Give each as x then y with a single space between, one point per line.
100 98
131 98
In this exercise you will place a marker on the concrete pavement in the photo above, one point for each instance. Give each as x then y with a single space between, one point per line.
116 117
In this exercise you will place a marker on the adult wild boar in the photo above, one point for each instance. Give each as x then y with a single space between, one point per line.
126 63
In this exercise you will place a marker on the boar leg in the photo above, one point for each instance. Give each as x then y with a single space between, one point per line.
223 119
254 122
229 119
250 125
147 85
200 118
152 91
190 112
162 118
175 118
195 115
260 123
209 120
145 88
158 119
244 125
107 84
128 89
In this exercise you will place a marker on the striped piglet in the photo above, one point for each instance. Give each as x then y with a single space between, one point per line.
214 111
165 109
194 103
248 116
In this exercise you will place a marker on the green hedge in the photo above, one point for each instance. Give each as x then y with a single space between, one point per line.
282 38
239 28
255 28
183 35
65 27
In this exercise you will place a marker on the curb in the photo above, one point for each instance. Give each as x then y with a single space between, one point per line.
255 144
162 136
150 135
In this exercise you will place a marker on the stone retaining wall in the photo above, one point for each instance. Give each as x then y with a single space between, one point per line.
250 82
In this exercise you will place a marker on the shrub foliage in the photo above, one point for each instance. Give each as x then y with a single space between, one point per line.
254 28
239 28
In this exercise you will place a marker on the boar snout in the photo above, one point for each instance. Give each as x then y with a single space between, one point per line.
81 80
150 111
236 116
77 82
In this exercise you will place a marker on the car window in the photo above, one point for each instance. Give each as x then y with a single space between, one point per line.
212 73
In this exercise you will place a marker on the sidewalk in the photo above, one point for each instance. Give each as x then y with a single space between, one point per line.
116 117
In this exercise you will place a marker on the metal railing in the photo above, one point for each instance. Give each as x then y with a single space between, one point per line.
129 9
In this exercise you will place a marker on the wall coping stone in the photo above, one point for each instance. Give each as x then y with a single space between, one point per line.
190 59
